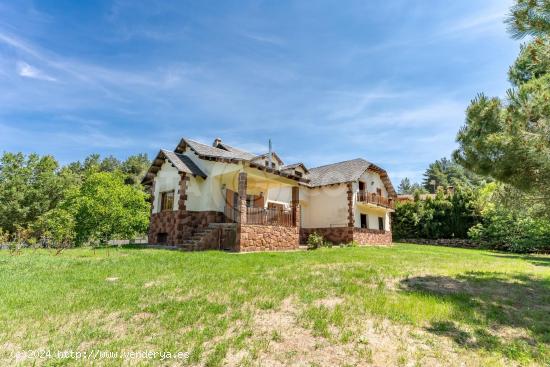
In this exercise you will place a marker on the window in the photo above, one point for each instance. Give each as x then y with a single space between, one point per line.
162 237
379 192
364 221
298 173
166 200
381 223
361 186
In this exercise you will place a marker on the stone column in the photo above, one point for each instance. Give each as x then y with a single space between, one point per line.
152 223
351 217
182 191
242 197
181 214
295 203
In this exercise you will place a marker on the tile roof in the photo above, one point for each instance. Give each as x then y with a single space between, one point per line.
338 172
210 151
294 165
237 151
183 163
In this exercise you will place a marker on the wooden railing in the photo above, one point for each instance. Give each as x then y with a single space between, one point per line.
261 216
231 214
269 217
374 198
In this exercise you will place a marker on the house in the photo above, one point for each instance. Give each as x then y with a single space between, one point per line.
221 197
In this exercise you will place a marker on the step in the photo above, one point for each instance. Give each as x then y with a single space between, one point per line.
222 225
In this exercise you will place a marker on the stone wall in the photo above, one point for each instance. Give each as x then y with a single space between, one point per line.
180 224
163 222
267 238
366 236
449 242
336 235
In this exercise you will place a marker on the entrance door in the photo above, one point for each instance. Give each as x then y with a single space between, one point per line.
364 221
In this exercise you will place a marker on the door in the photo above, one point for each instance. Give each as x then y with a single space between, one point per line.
381 223
364 221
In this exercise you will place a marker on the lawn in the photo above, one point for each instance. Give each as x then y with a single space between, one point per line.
401 305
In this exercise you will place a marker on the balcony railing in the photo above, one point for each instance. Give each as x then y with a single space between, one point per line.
262 216
375 199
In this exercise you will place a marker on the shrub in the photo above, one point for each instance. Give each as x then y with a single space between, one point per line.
314 241
506 231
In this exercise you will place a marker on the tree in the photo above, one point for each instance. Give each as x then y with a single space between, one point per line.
446 172
405 186
106 208
57 227
134 167
408 188
529 17
29 187
510 140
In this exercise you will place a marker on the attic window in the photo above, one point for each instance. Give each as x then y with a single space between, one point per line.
272 164
298 173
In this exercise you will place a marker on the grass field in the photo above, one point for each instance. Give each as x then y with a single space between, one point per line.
401 305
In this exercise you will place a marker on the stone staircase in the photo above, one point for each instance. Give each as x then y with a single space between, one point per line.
202 239
205 238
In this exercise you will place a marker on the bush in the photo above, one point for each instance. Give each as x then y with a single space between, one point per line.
314 241
506 231
441 217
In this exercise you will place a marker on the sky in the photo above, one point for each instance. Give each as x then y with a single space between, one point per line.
326 81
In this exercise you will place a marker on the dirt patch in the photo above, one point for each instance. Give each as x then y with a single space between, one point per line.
279 340
329 302
142 316
111 279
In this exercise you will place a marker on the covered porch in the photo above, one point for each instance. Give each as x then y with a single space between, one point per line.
255 197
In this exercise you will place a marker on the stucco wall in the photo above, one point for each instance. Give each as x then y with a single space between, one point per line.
372 215
372 182
167 179
325 207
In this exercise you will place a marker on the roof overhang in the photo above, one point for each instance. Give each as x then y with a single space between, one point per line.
182 163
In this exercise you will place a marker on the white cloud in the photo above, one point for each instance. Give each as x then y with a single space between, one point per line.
27 71
265 39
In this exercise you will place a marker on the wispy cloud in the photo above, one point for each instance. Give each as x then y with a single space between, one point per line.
27 71
273 40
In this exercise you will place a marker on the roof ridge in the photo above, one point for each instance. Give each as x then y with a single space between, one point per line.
206 145
348 160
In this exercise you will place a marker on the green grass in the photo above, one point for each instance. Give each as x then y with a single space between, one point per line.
399 305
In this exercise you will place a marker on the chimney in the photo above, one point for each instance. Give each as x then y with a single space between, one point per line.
217 141
270 155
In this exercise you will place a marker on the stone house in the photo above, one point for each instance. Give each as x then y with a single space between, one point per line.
221 197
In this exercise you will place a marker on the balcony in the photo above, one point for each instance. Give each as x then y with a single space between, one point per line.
375 199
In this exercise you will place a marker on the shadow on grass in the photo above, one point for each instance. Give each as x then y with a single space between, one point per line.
538 260
506 313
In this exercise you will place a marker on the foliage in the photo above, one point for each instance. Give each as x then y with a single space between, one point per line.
57 227
529 17
314 241
29 187
38 195
509 139
441 217
446 172
107 208
407 188
503 228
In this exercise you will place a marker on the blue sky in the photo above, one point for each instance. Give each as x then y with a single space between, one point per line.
325 80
